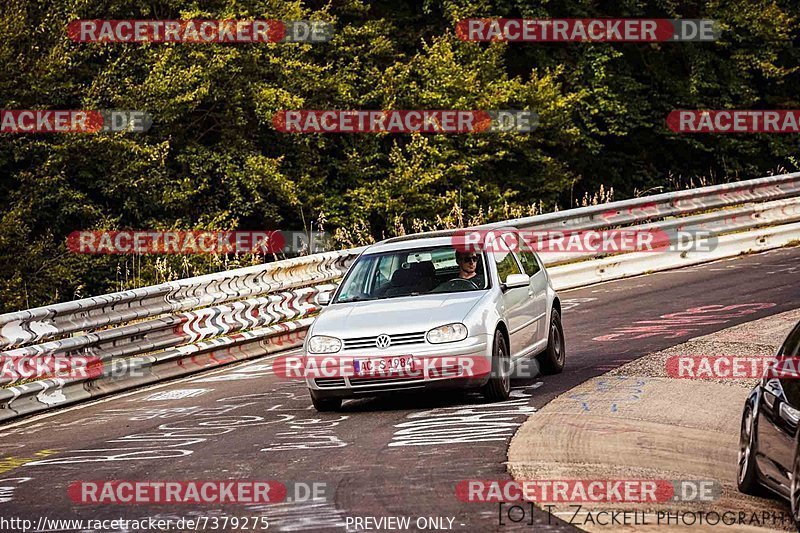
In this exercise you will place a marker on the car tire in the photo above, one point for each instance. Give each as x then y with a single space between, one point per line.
794 490
322 404
498 388
552 359
746 474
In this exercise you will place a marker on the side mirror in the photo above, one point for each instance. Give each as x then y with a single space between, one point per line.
516 280
324 298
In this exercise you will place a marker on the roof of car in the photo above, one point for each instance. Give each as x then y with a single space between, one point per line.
424 240
426 235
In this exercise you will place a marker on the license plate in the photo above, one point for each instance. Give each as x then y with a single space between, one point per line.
399 365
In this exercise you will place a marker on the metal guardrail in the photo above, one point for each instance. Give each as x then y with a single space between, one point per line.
669 204
40 395
24 327
716 223
585 273
188 325
183 328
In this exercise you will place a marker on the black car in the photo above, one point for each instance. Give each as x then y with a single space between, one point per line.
768 440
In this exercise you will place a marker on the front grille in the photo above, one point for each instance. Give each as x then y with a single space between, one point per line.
398 339
383 381
329 382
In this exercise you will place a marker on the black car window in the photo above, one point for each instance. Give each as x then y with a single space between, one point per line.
791 346
791 386
408 273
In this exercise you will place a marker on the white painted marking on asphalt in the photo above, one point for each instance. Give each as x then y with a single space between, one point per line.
569 303
464 423
7 491
150 413
175 394
238 374
307 434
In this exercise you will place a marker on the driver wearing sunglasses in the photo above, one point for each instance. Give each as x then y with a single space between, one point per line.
467 264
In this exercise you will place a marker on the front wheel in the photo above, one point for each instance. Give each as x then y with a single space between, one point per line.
551 360
794 492
323 404
746 475
498 388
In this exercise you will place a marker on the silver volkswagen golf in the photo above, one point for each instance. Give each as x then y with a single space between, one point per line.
420 312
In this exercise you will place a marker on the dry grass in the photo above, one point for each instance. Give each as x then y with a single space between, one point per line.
138 271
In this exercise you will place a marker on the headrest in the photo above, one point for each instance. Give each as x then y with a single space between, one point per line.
403 277
424 269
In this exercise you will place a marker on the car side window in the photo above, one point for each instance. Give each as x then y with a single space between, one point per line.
791 386
506 265
357 281
529 262
387 266
791 346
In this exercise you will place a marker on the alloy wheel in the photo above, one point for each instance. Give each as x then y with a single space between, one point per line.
744 444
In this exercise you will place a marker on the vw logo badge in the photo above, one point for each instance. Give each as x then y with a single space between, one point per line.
383 341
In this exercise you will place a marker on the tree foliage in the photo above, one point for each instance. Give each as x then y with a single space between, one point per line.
213 160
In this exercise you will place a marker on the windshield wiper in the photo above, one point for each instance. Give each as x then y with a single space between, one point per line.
405 294
354 299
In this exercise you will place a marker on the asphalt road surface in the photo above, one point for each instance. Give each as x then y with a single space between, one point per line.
398 457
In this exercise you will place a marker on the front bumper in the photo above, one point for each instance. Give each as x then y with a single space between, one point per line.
474 352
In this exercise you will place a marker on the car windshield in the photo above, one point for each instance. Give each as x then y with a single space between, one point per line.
413 272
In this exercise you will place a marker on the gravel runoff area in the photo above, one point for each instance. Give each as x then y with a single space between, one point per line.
636 422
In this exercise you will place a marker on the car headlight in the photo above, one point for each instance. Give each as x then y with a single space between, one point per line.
324 344
448 333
